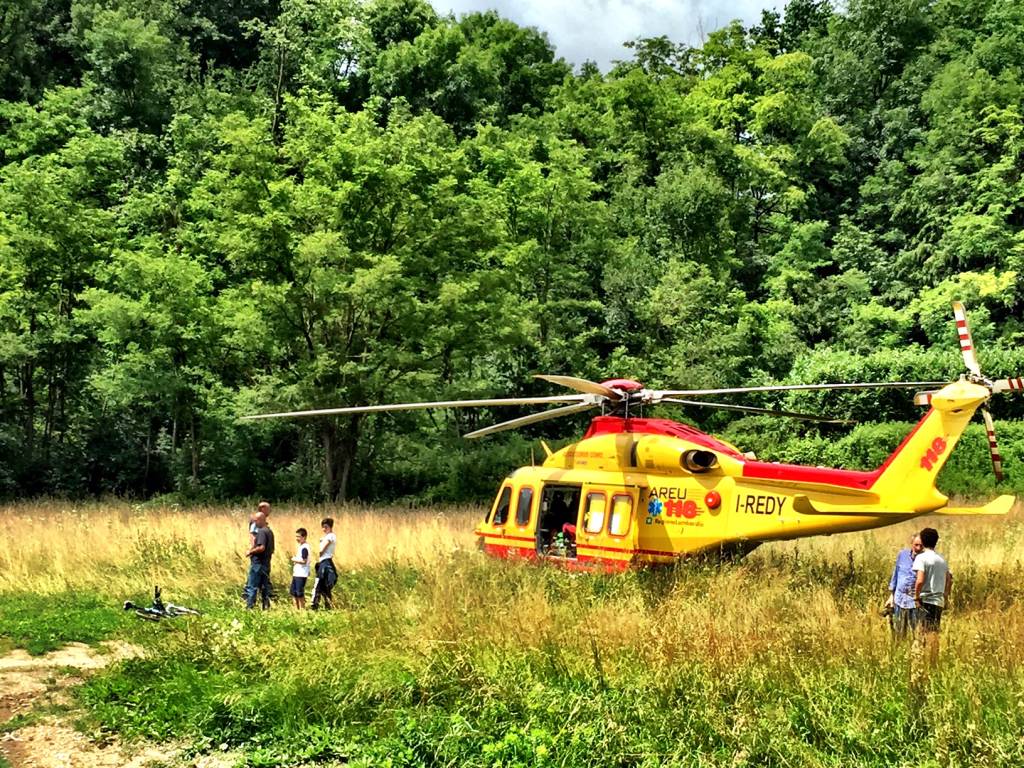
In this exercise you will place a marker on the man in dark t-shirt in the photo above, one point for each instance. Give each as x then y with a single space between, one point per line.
259 554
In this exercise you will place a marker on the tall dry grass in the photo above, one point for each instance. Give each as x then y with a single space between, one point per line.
54 546
809 596
782 657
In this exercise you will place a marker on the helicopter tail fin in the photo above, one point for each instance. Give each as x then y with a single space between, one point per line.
908 475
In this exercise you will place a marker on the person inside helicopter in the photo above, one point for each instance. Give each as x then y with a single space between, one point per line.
556 528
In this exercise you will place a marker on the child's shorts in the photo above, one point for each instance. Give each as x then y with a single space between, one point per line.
298 588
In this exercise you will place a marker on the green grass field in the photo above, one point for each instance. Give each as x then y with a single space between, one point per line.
438 656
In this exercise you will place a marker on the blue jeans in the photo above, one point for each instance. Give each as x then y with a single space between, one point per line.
904 620
257 581
326 578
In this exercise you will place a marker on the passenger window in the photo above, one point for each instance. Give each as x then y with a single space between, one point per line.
501 511
622 511
523 506
593 520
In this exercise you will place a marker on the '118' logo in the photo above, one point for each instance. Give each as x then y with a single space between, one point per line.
937 449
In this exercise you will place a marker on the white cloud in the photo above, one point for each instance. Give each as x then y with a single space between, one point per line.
596 29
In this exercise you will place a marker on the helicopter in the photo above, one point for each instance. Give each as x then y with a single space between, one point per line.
636 491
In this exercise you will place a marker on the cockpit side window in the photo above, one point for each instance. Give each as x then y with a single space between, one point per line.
524 505
501 508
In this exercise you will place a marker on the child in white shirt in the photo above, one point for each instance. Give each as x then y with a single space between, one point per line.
300 569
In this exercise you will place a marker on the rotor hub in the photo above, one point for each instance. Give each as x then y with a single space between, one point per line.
623 385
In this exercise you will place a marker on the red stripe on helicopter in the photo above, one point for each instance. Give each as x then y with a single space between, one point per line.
627 550
530 539
609 563
580 562
906 440
622 549
614 425
847 478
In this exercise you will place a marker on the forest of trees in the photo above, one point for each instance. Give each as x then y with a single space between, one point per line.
209 209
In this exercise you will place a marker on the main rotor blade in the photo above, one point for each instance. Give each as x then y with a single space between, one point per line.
752 409
554 413
993 449
581 385
1008 385
966 342
420 406
923 398
662 393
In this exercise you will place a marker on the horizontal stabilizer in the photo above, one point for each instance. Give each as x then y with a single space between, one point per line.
998 506
805 506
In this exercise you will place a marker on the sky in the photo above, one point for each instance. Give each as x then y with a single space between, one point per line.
596 29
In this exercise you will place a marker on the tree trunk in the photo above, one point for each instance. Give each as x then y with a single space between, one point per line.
278 93
62 405
348 448
29 393
339 455
329 439
149 456
343 475
51 406
195 449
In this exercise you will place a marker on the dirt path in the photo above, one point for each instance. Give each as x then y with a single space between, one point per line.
28 683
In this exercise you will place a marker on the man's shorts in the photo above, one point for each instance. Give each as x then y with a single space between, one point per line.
930 616
298 587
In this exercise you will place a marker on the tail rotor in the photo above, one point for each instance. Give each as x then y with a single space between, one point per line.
993 449
967 349
963 330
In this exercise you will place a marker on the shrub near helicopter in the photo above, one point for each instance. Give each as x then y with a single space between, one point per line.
640 491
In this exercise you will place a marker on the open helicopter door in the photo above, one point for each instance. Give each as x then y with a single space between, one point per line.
607 529
557 520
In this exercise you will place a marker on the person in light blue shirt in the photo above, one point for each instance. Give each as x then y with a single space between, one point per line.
901 588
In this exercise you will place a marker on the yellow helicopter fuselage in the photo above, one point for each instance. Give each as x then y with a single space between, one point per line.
649 491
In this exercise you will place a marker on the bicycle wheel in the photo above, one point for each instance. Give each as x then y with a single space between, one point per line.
181 610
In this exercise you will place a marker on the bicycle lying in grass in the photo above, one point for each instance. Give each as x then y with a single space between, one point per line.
159 609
